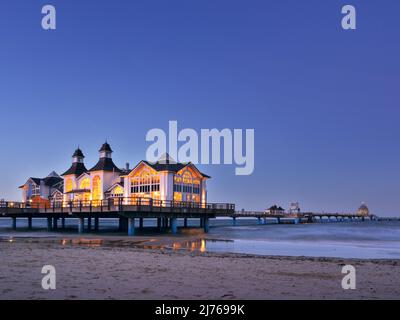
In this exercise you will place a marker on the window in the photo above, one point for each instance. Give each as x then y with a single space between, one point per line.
96 192
187 185
68 185
145 183
85 184
35 190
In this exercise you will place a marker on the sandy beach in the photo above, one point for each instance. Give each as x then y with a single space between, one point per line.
89 269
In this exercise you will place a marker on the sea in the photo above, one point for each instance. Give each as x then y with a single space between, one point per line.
361 240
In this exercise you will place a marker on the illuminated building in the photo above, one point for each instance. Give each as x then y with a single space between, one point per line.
164 180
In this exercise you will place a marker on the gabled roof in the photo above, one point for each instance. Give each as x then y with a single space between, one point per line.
169 166
77 168
105 164
34 180
56 191
121 184
86 173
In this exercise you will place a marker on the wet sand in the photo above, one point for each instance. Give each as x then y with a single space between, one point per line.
119 268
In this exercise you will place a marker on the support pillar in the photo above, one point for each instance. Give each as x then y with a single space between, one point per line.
89 224
14 223
185 222
159 223
279 220
62 223
206 225
259 221
141 223
174 225
55 223
30 223
49 226
96 224
131 226
234 221
81 224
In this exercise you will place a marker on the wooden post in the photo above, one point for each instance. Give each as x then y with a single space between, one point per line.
159 223
89 220
55 226
49 227
141 223
30 223
81 223
234 221
174 225
62 223
185 222
96 224
14 223
206 225
131 226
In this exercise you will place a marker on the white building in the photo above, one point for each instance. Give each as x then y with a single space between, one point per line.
163 180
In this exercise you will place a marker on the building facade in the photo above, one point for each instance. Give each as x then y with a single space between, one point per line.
164 180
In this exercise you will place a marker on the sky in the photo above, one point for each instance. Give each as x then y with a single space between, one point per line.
323 101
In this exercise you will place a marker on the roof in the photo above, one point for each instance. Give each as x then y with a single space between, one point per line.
275 207
171 166
105 164
121 184
78 153
36 180
51 181
105 147
77 168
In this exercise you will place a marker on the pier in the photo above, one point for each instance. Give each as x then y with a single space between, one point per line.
132 212
127 210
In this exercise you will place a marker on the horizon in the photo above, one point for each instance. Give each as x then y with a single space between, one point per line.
323 101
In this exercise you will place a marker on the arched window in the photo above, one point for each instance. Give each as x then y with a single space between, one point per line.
146 182
68 185
85 184
96 190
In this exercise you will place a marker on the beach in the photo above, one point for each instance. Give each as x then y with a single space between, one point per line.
89 268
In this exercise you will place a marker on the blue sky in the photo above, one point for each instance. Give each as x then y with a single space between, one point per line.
324 102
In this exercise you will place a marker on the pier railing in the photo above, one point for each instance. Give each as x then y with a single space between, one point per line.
113 204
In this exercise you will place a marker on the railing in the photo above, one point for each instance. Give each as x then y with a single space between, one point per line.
120 202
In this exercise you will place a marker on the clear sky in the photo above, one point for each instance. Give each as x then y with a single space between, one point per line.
324 102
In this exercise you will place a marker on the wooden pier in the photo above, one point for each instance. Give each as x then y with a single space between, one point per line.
167 213
303 217
126 210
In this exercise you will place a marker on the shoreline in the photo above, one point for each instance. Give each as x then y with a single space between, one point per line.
157 243
123 272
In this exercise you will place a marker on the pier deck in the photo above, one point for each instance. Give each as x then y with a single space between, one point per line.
167 213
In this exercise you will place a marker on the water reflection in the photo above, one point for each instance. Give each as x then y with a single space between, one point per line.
193 245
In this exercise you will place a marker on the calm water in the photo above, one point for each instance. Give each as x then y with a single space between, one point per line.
346 240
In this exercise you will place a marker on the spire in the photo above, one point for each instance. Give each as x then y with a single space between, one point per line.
77 167
78 156
166 159
105 150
